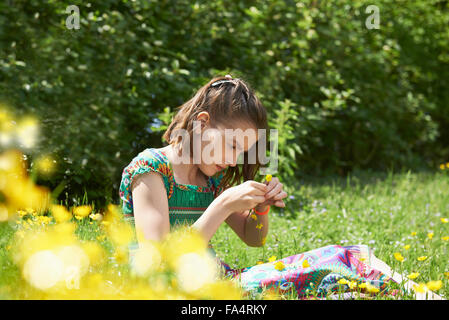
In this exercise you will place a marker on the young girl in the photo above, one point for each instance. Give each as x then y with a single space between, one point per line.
159 192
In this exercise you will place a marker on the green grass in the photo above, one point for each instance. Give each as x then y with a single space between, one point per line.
379 210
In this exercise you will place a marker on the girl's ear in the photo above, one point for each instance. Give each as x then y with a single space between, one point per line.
204 118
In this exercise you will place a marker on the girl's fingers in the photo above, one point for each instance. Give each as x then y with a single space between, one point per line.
259 199
274 191
279 203
280 195
261 186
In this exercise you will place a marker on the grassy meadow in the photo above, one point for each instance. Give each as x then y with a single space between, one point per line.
402 213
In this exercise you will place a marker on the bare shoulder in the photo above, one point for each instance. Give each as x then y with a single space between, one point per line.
147 180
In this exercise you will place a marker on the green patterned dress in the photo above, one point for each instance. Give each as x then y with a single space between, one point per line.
186 202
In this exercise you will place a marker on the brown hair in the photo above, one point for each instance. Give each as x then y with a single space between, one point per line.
229 102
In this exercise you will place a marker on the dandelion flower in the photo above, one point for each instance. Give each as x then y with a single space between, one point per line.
268 177
305 264
253 216
434 285
442 166
272 259
430 235
352 284
422 258
444 220
446 238
398 256
413 275
260 262
413 233
82 211
343 281
406 247
363 285
279 266
421 288
259 226
446 274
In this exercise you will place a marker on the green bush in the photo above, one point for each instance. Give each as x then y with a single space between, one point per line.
351 97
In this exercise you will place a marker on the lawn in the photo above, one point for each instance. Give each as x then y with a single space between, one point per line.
403 212
390 213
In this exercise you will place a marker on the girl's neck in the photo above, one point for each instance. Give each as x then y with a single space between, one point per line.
184 173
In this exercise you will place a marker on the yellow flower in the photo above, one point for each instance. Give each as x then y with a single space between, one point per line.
272 259
446 238
305 264
60 213
371 289
413 275
430 235
45 164
413 234
253 216
446 274
444 220
352 284
121 255
259 226
97 216
82 211
363 285
268 177
279 266
442 166
343 281
260 262
422 258
421 288
406 247
22 213
264 239
398 256
447 165
434 285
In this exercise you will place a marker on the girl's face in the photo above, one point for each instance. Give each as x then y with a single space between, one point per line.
221 147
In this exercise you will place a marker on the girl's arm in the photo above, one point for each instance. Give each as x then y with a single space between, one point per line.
150 206
251 231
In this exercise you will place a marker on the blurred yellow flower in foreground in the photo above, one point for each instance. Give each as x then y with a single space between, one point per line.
272 259
413 234
406 247
45 164
268 177
27 131
444 220
82 211
430 235
60 213
18 189
445 238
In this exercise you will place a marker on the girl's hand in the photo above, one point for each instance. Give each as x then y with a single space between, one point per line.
244 196
274 195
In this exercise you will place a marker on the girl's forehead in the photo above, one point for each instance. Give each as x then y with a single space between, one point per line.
244 135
